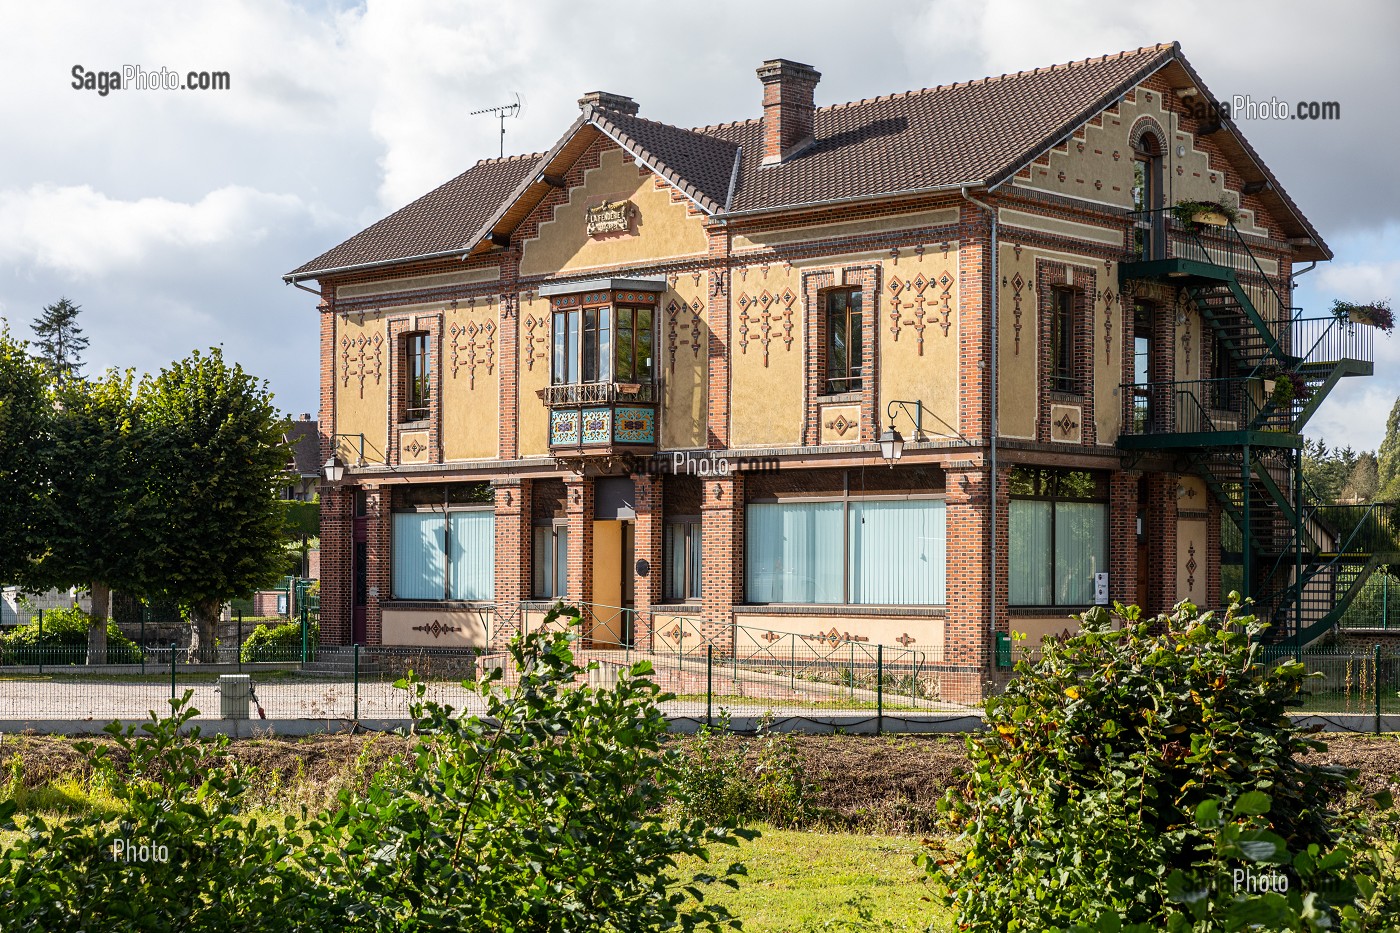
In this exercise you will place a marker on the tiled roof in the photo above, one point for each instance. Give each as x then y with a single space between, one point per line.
438 223
305 442
701 165
974 133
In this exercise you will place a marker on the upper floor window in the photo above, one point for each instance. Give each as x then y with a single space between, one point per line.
1062 363
418 373
603 344
844 347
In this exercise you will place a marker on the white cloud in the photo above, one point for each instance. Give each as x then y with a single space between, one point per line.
81 232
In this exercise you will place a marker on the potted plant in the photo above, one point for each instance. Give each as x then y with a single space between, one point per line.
1200 214
1288 388
1374 314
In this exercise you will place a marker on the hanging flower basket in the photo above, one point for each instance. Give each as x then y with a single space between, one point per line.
1286 388
1376 314
1201 214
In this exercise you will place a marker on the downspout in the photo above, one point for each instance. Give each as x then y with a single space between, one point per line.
304 288
992 432
1305 270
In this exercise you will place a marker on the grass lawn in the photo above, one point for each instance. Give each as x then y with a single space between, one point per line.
809 881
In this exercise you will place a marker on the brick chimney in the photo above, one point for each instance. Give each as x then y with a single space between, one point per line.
788 107
602 100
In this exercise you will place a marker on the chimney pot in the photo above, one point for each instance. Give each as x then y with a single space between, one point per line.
789 107
603 100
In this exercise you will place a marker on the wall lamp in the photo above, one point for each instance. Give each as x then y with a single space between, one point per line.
335 467
892 442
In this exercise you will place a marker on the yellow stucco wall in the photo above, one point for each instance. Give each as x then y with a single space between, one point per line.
362 353
925 289
823 634
766 393
1097 162
533 369
1191 540
1035 629
456 628
662 229
470 380
682 362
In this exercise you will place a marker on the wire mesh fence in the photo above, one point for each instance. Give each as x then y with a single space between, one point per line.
711 672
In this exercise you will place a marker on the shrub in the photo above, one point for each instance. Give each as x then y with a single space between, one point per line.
206 866
279 642
544 814
64 640
1089 792
723 781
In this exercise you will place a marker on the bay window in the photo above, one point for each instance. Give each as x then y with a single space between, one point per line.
1058 530
606 343
852 551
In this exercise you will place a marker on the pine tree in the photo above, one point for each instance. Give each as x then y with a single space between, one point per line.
59 339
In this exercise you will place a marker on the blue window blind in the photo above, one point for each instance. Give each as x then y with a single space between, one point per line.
1029 531
1055 550
417 541
473 546
898 552
794 552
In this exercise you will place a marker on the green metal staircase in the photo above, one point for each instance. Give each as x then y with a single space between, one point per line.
1301 561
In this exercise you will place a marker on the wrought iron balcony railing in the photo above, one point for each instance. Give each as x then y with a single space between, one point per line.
595 393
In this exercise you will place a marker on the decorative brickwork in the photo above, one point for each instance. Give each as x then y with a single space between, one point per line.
1082 283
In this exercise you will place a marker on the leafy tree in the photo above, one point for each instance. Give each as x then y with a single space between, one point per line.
1086 793
59 338
1388 457
25 416
1364 480
214 461
97 512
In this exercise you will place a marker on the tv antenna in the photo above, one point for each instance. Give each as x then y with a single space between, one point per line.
501 112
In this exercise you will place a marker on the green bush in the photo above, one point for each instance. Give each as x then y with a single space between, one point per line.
1097 789
724 781
279 642
544 814
64 640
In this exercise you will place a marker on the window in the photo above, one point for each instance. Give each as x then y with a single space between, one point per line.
444 555
418 372
603 344
551 563
1058 536
844 348
1062 341
858 551
682 557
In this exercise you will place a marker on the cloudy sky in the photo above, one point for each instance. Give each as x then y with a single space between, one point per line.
171 215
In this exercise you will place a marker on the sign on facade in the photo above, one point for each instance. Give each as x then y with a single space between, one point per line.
612 217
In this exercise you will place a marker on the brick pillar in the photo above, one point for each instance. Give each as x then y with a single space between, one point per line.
1214 517
513 557
967 639
722 537
578 505
336 536
974 343
648 548
1122 536
377 501
1160 522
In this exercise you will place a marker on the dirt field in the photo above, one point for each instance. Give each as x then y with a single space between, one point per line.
888 784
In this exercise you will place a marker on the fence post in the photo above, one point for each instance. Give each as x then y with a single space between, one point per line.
1376 682
879 689
41 641
172 672
238 646
357 682
1385 600
303 636
709 684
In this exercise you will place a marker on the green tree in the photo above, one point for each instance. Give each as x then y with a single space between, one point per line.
1364 480
96 513
59 339
1389 457
214 461
25 415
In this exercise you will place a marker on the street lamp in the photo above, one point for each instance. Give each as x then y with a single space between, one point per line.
334 468
891 445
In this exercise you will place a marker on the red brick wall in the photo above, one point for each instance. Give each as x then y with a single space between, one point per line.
578 504
648 547
514 528
722 537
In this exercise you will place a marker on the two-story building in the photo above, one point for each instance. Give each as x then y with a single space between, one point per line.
650 372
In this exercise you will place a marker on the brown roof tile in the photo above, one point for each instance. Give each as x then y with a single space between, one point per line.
973 133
